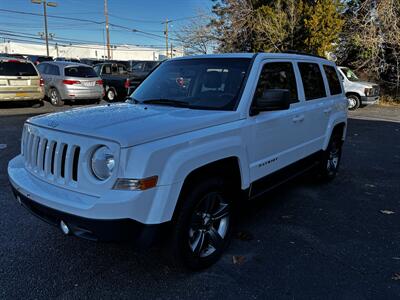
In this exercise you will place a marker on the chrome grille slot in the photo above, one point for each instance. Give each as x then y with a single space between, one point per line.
75 163
29 148
35 146
64 148
42 154
53 157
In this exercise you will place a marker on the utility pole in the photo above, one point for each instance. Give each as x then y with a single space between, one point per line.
46 34
166 37
171 50
45 4
107 29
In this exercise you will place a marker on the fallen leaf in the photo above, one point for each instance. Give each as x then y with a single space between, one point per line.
238 259
387 212
396 276
369 185
244 235
3 146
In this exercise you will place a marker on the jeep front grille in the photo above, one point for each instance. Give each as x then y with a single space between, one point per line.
51 159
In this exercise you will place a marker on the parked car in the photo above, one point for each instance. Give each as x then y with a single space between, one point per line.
70 81
19 80
200 134
15 55
121 62
116 79
67 59
37 59
90 61
140 70
358 92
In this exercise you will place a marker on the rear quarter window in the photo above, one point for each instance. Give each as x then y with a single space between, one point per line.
313 82
80 71
9 68
333 80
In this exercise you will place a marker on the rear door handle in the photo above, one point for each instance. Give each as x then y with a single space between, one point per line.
327 111
299 118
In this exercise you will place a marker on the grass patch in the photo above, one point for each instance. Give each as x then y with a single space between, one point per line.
387 100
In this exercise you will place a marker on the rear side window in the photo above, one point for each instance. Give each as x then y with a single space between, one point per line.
42 68
333 80
80 71
54 70
9 68
277 76
138 66
118 69
313 83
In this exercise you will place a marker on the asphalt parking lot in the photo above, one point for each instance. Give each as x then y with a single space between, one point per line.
303 241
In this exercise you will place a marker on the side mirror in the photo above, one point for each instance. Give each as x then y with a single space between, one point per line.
276 99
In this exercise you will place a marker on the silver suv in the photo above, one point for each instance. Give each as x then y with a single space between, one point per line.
70 81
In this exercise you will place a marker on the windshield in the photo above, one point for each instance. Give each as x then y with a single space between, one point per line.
350 74
84 72
17 68
206 83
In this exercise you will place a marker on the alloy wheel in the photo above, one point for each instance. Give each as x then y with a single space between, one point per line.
352 102
54 97
333 158
110 95
209 225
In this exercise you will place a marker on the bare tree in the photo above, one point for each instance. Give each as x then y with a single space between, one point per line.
197 37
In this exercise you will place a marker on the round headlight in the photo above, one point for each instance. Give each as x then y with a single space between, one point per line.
103 163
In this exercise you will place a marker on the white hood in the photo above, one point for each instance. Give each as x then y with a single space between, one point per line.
130 124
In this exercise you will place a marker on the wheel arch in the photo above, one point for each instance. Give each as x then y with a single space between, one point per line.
339 127
228 167
353 94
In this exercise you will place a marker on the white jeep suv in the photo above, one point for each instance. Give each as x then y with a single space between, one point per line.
198 135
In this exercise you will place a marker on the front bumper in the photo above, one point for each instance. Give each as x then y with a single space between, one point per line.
94 229
112 215
369 100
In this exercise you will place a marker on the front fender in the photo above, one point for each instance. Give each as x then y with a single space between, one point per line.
173 159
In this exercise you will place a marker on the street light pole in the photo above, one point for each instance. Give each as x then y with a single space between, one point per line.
46 34
107 29
45 26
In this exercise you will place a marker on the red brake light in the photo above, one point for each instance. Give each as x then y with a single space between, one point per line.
41 82
99 82
127 83
70 82
13 61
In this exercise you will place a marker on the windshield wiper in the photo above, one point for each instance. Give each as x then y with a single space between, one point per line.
169 102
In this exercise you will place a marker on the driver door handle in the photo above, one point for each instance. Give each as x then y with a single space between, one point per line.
299 118
327 111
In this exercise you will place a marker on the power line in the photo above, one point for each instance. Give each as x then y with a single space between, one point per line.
75 46
66 40
88 21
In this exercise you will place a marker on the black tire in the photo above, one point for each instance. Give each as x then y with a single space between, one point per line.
354 101
331 157
111 95
203 224
55 98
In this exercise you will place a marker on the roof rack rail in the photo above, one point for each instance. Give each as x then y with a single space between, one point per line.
302 53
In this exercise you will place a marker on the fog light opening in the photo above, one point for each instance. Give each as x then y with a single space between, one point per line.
64 227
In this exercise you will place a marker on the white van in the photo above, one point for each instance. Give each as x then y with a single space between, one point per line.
358 92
